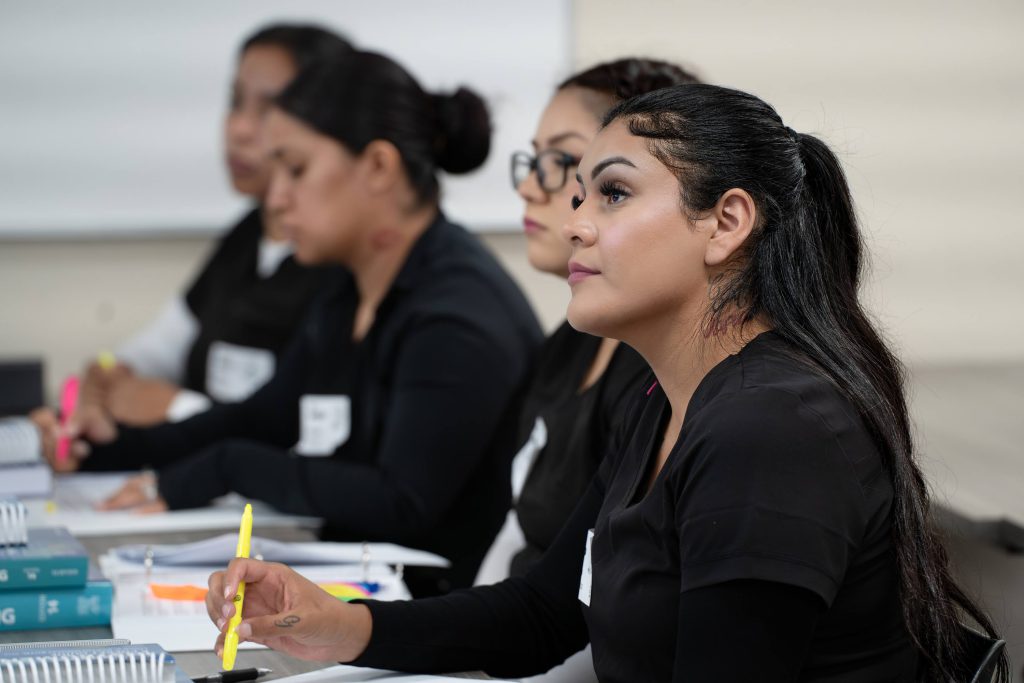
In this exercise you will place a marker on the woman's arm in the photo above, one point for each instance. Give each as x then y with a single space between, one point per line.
451 389
518 627
744 630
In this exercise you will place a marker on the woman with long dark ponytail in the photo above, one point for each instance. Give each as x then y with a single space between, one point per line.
765 519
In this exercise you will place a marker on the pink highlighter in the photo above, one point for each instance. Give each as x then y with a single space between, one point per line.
68 403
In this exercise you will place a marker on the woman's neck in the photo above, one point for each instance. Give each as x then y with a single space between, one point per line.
682 351
272 228
380 257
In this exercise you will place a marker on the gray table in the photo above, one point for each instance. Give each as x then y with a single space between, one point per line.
970 432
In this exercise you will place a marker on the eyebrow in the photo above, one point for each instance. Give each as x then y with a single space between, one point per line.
561 137
605 164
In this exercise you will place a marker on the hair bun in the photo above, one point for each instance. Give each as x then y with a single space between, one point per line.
464 131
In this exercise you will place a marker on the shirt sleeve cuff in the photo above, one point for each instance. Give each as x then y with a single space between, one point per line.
187 403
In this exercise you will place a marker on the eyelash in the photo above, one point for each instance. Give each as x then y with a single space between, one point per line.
607 189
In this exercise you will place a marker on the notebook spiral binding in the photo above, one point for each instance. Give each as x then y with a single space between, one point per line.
62 665
121 667
13 524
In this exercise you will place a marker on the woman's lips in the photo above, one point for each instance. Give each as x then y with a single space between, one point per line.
239 167
579 272
531 226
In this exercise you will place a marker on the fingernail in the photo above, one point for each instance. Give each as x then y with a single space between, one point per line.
226 609
220 624
228 593
244 630
220 652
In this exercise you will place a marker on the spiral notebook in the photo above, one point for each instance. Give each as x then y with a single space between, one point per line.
88 661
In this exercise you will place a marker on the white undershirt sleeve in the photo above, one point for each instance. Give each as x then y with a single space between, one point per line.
161 348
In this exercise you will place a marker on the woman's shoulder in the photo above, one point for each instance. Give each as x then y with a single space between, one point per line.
768 399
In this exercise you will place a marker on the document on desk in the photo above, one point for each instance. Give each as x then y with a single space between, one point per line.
76 495
219 550
168 607
342 673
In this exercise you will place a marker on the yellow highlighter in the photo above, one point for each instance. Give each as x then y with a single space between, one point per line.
231 637
106 360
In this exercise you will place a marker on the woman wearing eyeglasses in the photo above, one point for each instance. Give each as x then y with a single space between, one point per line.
577 397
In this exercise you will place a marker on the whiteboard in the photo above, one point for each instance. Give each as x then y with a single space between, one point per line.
111 113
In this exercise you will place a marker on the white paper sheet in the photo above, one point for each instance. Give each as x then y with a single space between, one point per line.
75 496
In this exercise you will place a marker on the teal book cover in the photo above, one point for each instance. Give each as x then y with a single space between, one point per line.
58 607
51 559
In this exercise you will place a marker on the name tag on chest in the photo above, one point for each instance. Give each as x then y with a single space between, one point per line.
234 372
587 575
325 422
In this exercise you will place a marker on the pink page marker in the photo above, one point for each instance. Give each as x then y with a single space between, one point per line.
68 403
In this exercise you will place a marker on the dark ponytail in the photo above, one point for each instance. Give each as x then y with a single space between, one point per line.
801 270
366 96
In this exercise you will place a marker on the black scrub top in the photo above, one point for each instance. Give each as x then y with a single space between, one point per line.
774 484
232 303
433 390
580 427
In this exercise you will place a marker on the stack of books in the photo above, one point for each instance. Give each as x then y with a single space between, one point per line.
45 578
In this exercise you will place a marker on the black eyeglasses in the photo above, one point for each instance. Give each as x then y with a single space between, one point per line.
552 167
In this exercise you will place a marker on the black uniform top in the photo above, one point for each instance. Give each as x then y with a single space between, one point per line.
762 552
579 426
233 303
433 393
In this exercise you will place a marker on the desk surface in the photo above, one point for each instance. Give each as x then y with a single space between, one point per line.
969 423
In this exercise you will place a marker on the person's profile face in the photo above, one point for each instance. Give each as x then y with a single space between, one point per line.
567 125
263 72
637 262
313 193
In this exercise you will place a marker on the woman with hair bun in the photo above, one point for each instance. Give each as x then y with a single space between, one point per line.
393 413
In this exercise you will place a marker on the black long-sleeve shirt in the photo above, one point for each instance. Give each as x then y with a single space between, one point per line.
761 551
419 426
579 426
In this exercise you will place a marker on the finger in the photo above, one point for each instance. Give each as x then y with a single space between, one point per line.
80 449
218 647
271 626
250 571
128 496
153 507
215 596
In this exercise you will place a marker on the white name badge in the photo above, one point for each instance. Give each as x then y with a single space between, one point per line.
234 372
587 575
325 422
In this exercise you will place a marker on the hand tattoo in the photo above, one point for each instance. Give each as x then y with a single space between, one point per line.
288 621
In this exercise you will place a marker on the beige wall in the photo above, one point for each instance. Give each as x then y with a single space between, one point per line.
923 101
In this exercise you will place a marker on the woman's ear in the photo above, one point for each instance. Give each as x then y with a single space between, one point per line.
381 166
734 217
